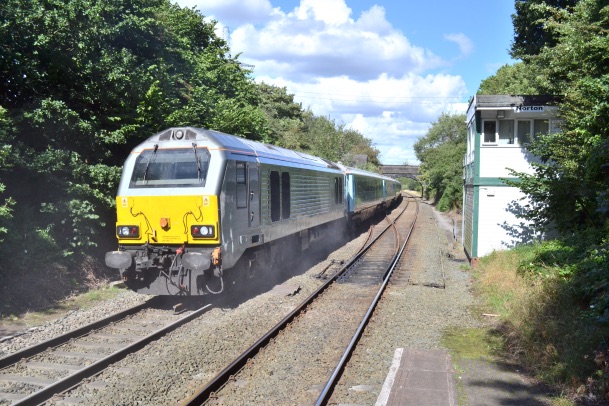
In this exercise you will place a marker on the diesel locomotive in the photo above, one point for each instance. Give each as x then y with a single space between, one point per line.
195 206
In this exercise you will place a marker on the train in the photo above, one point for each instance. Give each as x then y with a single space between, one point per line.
196 207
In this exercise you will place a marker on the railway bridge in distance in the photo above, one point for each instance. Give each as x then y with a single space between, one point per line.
400 171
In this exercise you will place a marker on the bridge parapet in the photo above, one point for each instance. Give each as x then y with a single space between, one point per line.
400 171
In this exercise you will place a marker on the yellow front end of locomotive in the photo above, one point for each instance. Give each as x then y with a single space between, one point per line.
168 220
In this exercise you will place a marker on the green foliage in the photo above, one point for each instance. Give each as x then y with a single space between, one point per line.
331 141
510 79
441 154
285 117
578 266
569 188
410 184
530 33
83 82
549 328
566 44
5 154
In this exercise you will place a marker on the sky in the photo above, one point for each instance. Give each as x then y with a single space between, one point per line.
386 68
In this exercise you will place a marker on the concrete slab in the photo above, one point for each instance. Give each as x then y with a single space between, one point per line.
487 383
419 377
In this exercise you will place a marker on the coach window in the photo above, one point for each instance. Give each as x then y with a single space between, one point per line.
275 196
241 185
285 195
490 131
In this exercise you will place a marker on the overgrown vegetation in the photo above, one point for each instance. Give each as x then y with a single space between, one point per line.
564 45
83 83
441 153
562 326
547 328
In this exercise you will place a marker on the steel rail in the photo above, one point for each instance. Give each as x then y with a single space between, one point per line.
79 332
71 380
223 376
327 391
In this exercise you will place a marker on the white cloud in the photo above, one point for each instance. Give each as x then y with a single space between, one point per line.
359 70
392 112
331 12
320 39
466 46
232 13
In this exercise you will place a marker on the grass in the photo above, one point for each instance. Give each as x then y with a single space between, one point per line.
539 325
473 343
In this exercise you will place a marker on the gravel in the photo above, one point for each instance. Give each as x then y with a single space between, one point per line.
72 320
172 368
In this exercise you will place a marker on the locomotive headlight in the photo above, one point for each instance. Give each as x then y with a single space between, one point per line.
128 231
202 231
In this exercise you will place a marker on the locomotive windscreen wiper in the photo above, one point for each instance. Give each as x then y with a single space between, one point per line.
194 147
156 146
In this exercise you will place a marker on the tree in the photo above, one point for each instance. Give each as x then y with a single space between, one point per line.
530 32
510 79
5 152
331 141
441 154
570 188
83 82
285 117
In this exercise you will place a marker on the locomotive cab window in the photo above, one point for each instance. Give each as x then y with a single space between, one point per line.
184 167
241 185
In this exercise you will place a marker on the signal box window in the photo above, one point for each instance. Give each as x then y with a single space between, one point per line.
490 131
506 131
541 127
524 132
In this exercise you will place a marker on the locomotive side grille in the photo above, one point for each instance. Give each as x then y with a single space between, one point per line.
311 193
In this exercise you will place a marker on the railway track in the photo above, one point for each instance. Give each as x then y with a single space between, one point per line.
350 295
36 374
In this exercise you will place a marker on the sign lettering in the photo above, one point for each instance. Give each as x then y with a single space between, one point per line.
529 109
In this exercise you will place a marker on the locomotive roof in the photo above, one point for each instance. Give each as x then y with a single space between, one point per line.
238 145
348 170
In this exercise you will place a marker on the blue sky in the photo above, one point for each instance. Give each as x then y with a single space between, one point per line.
385 68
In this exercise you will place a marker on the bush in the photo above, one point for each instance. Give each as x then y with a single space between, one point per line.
552 301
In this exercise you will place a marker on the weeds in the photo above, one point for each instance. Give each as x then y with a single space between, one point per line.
548 316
